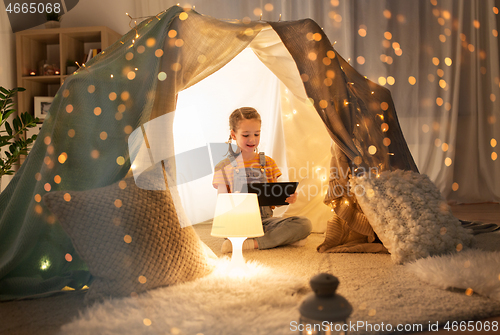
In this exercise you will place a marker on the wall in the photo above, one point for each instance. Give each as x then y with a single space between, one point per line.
110 13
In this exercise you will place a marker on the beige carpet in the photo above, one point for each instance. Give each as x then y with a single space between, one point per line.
378 290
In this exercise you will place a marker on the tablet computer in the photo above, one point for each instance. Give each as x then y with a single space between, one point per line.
273 194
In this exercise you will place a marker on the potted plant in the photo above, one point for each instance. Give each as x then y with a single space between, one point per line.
71 66
53 20
12 142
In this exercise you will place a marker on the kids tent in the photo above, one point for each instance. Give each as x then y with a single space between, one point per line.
114 118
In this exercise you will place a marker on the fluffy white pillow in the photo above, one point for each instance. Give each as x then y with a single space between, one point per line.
409 215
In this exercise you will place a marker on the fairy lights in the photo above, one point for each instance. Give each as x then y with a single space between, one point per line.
328 76
45 264
362 31
162 76
120 160
122 184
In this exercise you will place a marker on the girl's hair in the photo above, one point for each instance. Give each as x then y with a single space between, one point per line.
238 115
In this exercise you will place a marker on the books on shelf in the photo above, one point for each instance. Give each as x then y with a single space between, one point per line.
90 54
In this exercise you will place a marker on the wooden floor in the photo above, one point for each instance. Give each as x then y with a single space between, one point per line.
486 212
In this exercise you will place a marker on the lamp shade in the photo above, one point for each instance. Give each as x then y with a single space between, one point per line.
237 215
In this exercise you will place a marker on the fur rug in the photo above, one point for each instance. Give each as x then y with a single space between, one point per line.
472 270
217 304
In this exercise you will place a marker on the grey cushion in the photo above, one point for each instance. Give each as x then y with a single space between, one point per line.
129 237
409 215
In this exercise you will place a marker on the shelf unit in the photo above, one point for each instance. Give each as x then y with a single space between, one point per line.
56 46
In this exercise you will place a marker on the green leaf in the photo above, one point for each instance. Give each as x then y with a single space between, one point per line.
23 118
17 124
3 90
6 115
28 117
8 128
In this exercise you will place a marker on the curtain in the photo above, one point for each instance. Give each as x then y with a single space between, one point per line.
439 59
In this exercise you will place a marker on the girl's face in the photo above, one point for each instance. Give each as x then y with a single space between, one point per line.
247 135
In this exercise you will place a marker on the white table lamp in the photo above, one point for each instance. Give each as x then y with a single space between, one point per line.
237 217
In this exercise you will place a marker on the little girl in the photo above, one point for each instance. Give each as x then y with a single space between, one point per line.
246 166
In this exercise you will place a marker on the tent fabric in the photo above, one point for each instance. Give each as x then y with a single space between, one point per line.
359 116
101 121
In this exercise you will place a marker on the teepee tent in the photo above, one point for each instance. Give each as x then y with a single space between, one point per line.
119 116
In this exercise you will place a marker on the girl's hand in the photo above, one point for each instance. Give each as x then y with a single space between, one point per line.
291 199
